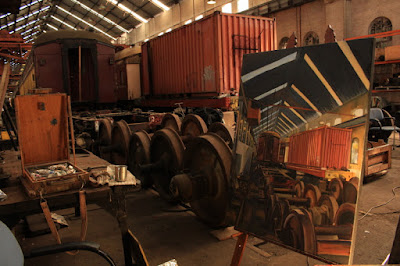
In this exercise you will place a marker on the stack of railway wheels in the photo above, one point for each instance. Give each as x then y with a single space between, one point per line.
117 152
104 138
324 229
156 159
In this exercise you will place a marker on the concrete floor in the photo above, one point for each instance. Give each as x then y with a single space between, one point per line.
167 232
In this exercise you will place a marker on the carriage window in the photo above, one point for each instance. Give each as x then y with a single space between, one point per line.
381 24
311 38
354 151
283 43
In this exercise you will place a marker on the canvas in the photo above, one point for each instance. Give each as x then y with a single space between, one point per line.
300 145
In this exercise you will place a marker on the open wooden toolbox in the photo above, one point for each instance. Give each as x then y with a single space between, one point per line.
43 131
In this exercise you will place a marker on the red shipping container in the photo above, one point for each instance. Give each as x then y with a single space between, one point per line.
321 148
204 57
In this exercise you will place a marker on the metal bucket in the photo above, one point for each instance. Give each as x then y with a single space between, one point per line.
120 173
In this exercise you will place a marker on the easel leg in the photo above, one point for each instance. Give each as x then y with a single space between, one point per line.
239 249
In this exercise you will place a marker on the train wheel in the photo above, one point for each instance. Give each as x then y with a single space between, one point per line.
121 134
193 125
223 131
299 231
336 189
350 192
313 193
172 121
299 188
139 154
166 151
345 214
104 139
209 160
330 206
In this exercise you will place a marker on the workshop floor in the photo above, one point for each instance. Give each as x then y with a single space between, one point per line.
167 232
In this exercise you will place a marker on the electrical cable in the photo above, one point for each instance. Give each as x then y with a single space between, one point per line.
380 205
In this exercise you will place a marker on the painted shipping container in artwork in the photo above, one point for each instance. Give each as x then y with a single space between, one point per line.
204 57
323 148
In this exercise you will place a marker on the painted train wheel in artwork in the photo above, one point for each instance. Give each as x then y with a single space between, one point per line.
299 145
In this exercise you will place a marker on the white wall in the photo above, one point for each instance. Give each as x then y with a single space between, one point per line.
176 17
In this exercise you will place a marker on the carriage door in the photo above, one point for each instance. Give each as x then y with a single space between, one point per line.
81 74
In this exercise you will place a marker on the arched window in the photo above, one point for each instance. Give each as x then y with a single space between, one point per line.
283 43
311 38
355 144
381 24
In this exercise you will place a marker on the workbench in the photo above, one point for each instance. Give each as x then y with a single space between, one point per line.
18 205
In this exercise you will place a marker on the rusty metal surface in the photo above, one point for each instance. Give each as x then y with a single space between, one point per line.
209 158
121 134
48 67
105 73
223 131
193 126
204 56
139 152
166 151
172 121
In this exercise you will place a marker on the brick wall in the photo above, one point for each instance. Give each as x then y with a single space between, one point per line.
349 18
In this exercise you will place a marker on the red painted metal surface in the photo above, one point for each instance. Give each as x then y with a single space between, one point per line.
105 73
204 57
48 67
321 148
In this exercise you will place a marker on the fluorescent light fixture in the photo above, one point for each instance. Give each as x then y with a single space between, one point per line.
169 30
227 8
24 17
51 26
24 26
22 7
100 15
30 40
126 9
188 22
87 23
161 33
199 17
146 40
32 34
160 5
62 22
31 29
211 2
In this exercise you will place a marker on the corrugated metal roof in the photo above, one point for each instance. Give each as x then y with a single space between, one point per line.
297 85
108 17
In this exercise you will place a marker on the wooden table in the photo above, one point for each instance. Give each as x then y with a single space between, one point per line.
18 205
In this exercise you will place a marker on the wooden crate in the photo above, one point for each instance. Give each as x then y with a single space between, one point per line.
43 132
379 157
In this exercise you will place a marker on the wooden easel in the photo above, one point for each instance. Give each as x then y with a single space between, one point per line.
239 249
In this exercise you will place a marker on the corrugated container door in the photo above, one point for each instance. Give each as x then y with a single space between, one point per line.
337 148
305 148
241 35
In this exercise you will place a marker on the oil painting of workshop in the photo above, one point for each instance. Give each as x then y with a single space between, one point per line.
199 132
307 148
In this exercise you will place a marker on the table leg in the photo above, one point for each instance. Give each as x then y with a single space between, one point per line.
133 252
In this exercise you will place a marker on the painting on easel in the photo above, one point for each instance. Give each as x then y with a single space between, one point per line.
300 145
